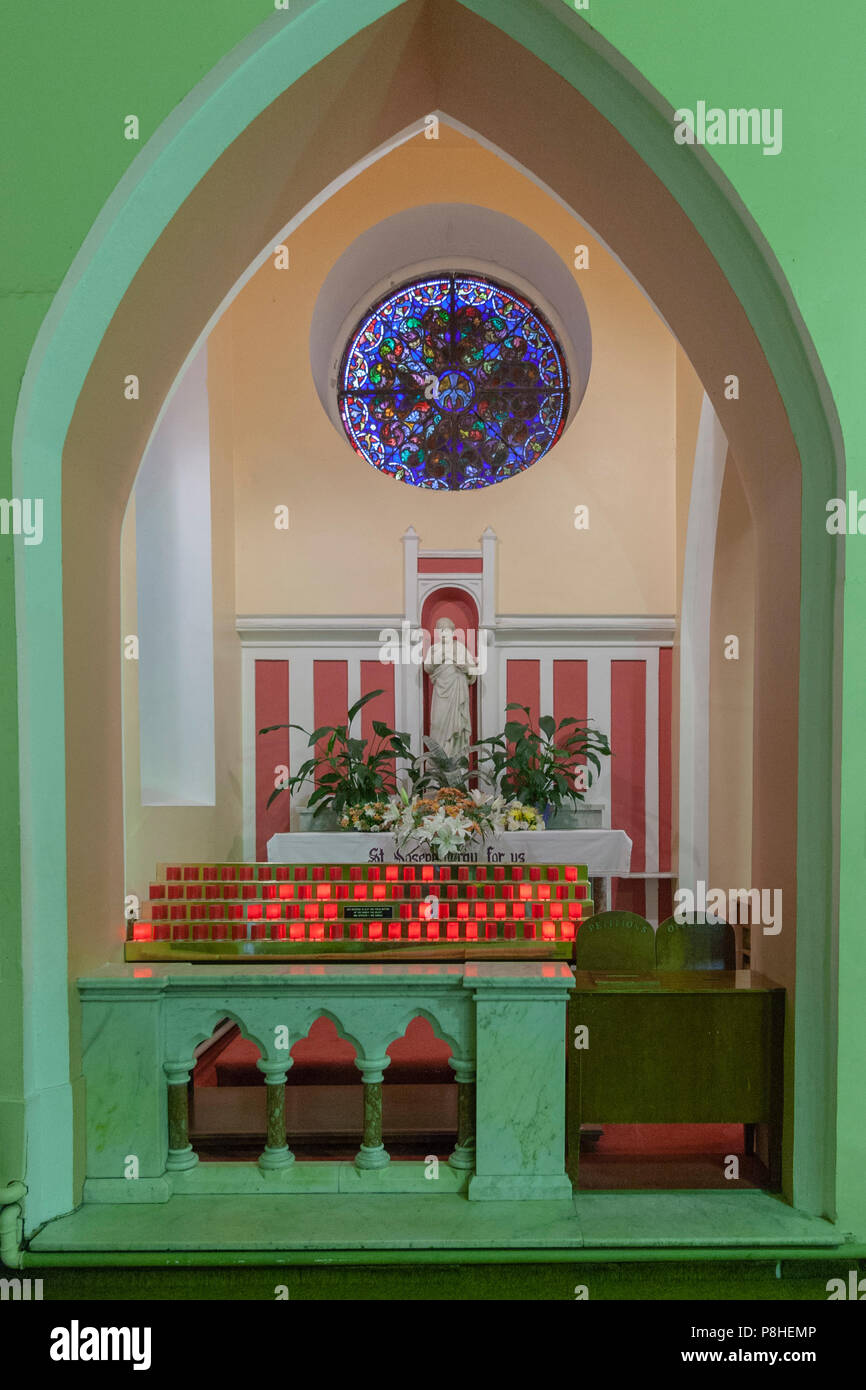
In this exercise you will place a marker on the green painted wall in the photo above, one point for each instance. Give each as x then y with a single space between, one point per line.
73 74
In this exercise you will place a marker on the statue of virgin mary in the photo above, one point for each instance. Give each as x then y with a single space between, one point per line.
451 670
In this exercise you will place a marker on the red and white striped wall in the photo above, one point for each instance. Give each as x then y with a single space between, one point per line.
616 671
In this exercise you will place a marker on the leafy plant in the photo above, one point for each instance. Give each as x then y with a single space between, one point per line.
349 774
537 765
435 769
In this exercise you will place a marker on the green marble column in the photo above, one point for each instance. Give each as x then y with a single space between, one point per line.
463 1155
180 1150
276 1153
372 1153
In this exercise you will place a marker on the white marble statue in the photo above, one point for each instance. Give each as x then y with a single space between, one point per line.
451 670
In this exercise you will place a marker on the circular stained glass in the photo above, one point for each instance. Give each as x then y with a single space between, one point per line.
453 382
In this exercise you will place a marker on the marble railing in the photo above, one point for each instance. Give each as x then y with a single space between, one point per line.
504 1022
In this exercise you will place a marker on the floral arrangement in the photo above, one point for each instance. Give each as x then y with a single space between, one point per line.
446 821
368 817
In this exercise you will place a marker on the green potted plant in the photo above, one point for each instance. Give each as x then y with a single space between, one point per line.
537 765
346 772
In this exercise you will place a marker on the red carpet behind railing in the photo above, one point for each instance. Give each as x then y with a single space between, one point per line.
323 1058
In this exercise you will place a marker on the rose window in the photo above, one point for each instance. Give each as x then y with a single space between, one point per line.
453 382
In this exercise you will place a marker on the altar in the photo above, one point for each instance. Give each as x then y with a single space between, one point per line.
606 853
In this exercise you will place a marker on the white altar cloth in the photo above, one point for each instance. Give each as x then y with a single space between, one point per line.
604 852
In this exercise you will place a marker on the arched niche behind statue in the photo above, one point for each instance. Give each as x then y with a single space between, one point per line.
460 607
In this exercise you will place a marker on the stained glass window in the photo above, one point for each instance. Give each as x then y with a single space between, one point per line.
453 382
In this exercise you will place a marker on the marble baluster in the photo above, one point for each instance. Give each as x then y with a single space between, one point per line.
372 1153
276 1153
463 1155
180 1151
